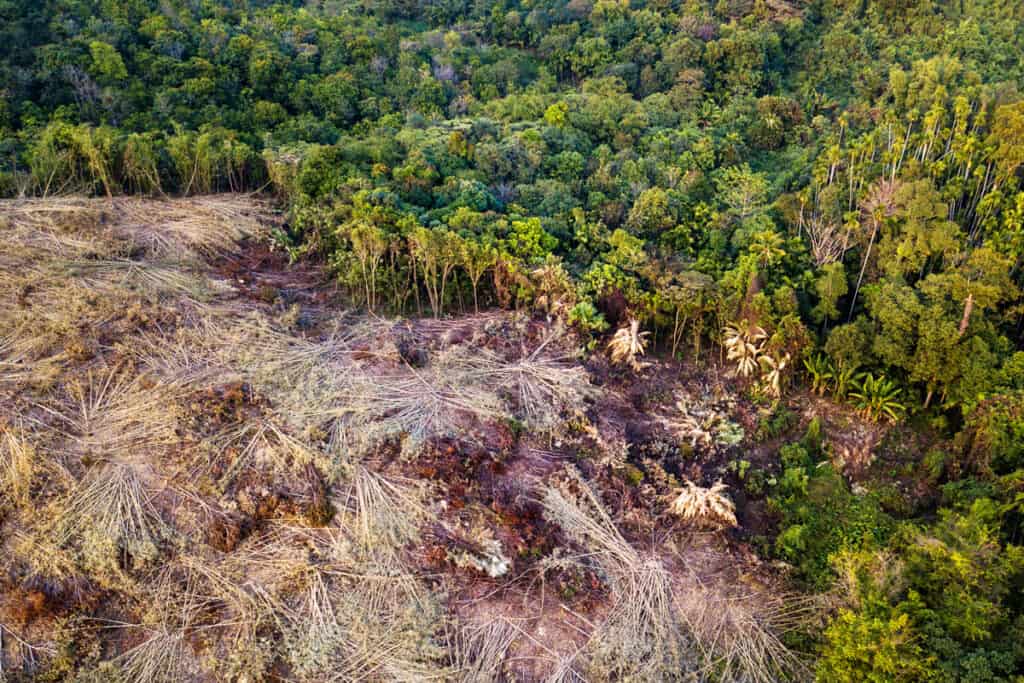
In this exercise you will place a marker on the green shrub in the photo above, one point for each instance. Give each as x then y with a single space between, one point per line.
775 422
874 645
820 517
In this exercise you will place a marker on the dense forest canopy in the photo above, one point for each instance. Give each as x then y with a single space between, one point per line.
832 189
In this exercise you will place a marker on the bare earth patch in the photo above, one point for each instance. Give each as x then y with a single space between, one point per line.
210 470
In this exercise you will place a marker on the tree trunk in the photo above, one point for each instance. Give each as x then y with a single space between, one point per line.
863 267
966 319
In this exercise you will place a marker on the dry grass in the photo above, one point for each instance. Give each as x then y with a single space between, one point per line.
415 404
35 554
117 277
177 229
205 226
76 265
247 613
18 467
78 268
347 630
540 385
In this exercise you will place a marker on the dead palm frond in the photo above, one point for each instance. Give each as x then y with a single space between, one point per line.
149 278
180 228
479 651
627 344
256 444
245 608
114 414
164 656
704 505
541 385
692 429
739 637
415 404
342 617
109 516
641 635
381 515
177 228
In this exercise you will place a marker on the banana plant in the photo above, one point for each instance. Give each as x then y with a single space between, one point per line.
877 398
842 381
820 370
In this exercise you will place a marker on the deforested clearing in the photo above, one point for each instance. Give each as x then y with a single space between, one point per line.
212 470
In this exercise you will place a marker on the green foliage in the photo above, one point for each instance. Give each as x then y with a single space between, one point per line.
820 372
993 437
587 319
775 422
107 64
821 517
938 613
878 648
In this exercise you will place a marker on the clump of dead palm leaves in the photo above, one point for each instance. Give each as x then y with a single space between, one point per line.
744 344
627 345
774 368
705 506
110 519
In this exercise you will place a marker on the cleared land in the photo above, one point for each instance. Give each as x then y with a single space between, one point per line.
212 471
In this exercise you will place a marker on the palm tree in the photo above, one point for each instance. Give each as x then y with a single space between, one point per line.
879 204
743 344
773 368
767 245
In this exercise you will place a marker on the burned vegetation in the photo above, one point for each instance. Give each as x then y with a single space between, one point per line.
211 471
